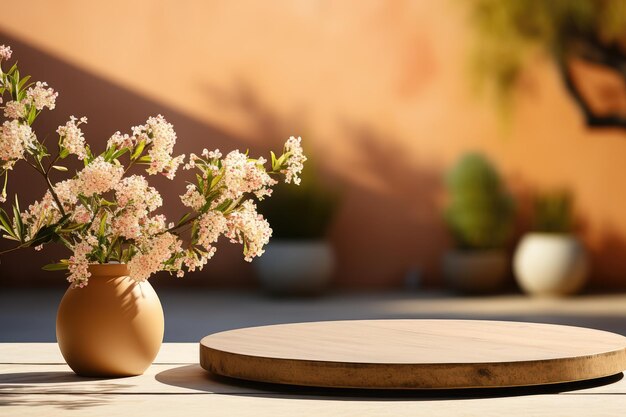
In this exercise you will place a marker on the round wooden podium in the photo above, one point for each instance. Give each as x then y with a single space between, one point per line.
414 354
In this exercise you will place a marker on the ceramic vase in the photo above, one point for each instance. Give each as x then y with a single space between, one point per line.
550 264
112 327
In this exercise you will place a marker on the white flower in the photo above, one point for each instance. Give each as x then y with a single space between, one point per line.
155 252
162 137
245 176
72 137
211 226
41 96
81 214
134 191
5 52
39 214
79 264
126 224
15 110
121 141
135 200
295 162
99 177
67 191
248 227
192 198
15 138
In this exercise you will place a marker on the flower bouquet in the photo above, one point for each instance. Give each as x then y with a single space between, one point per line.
107 213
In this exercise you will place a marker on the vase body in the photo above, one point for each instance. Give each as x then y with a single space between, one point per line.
112 327
550 264
475 271
296 267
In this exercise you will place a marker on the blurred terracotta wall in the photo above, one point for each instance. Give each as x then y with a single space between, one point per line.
378 89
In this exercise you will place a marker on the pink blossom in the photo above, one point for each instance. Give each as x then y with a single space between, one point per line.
119 140
79 264
99 177
152 255
5 52
15 110
248 227
41 96
192 198
15 139
295 161
72 137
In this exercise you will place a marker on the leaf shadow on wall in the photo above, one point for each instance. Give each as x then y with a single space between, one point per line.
109 107
264 124
390 224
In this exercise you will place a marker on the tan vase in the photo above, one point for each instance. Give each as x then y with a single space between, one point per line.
112 327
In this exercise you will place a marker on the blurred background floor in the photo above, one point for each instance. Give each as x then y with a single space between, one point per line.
29 315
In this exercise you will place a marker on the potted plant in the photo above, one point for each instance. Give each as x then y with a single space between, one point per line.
551 260
479 217
110 321
300 260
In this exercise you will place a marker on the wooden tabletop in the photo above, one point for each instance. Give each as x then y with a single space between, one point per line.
34 381
414 354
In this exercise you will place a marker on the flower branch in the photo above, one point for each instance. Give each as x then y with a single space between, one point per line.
102 214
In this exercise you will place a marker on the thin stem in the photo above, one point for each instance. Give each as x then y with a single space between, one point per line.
22 246
43 172
183 224
52 163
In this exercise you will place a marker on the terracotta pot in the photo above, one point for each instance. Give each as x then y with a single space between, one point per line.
476 271
112 327
296 267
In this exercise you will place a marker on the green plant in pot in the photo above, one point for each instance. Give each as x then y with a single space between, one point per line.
299 259
550 260
479 217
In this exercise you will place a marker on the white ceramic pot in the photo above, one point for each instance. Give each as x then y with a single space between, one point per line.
296 267
475 271
550 264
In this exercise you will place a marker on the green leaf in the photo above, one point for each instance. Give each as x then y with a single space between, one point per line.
103 224
13 69
64 153
108 155
61 266
6 180
224 205
217 179
90 156
138 150
183 218
17 219
85 201
6 225
195 228
119 153
107 203
23 81
44 235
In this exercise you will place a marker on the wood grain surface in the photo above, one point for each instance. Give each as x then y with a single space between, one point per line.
414 354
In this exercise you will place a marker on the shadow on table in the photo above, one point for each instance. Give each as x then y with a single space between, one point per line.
37 388
195 378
